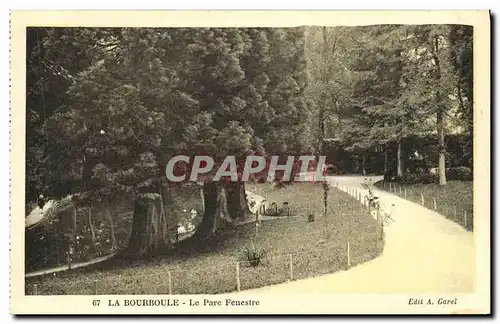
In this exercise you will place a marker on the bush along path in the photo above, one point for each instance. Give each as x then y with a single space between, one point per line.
423 253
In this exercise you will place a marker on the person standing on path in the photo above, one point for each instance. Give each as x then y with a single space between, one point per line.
41 201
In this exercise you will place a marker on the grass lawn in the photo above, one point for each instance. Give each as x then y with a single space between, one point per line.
315 247
453 200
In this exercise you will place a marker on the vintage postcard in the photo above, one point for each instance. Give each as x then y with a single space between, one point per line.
250 162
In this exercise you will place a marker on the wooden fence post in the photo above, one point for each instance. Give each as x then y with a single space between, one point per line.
35 289
95 286
435 204
405 193
169 283
238 276
291 266
423 201
455 213
348 253
465 219
400 190
390 186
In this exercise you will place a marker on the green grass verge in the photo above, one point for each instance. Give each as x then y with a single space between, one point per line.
315 247
453 200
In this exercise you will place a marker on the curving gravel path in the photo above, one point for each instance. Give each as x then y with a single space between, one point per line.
424 253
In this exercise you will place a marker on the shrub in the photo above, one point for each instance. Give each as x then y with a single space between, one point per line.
310 218
427 178
332 169
414 178
390 176
410 178
459 173
253 255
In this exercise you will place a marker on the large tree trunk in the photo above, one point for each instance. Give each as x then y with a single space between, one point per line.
237 201
149 231
205 229
441 146
400 158
216 215
439 113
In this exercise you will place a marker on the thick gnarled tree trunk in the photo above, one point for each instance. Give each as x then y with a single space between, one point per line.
237 201
216 216
150 234
149 231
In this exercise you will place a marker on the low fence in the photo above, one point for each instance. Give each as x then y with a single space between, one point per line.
328 255
459 215
221 277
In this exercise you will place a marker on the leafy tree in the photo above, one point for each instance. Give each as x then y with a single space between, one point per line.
149 94
375 86
460 40
122 112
